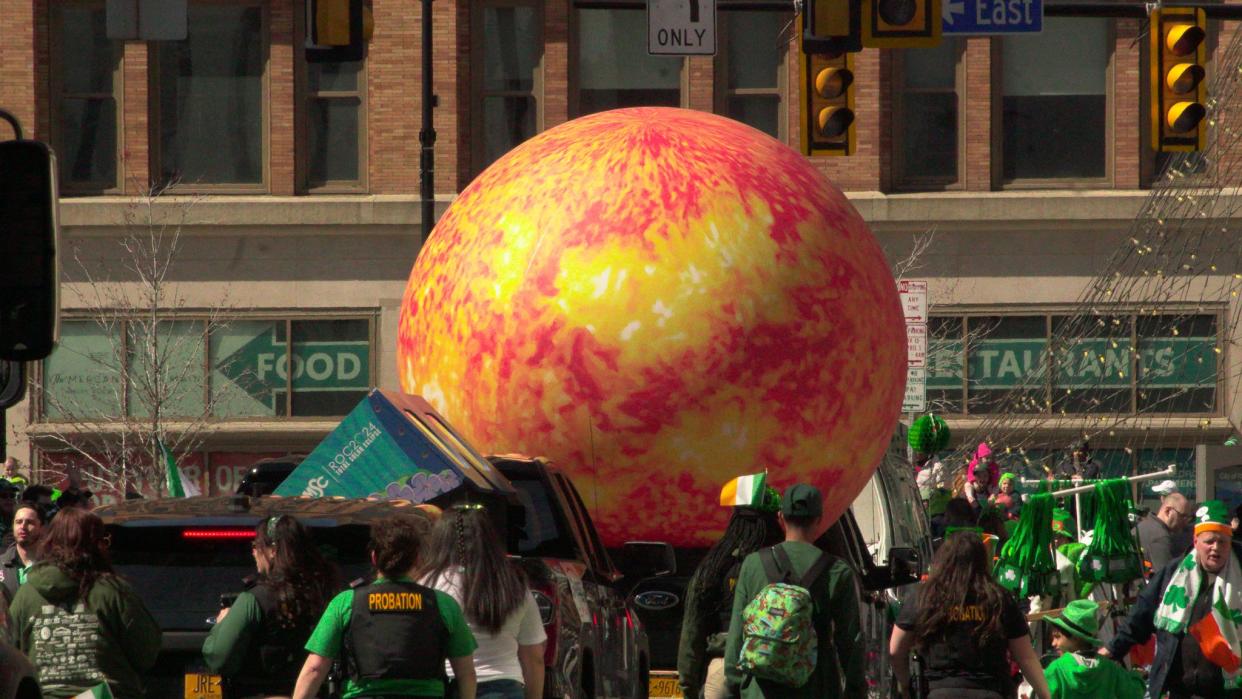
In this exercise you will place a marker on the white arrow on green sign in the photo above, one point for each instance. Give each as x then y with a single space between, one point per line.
261 367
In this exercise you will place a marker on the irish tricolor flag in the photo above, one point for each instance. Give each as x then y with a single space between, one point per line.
1217 634
744 491
179 486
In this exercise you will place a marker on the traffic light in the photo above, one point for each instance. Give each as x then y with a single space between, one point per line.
337 30
30 276
1177 56
827 114
897 24
831 26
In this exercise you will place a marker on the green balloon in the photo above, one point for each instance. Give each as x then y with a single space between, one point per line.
929 434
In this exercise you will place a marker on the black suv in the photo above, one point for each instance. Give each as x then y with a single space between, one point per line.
182 555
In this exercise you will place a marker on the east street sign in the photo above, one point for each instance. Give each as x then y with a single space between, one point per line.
681 27
965 17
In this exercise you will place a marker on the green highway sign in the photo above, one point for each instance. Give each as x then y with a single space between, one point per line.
1166 362
261 367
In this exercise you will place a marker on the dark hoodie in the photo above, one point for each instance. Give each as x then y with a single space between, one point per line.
111 638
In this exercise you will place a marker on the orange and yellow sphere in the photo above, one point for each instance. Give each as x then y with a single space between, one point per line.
659 300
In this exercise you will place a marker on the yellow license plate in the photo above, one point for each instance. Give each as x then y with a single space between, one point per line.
202 686
659 687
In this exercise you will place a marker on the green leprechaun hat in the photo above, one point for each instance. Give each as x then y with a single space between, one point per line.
1079 619
1212 516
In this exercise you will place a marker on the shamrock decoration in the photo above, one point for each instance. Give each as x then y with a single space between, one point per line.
1011 574
1175 597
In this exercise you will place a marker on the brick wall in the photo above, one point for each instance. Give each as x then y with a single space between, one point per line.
393 110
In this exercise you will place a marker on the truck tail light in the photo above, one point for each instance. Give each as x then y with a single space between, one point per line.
217 534
545 599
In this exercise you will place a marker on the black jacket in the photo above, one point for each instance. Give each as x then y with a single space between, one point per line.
1141 624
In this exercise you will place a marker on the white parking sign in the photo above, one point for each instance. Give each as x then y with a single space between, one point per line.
681 27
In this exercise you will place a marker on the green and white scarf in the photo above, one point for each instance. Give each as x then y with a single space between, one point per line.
1218 633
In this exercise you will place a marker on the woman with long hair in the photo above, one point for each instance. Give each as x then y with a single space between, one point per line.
709 599
80 624
466 560
257 643
965 626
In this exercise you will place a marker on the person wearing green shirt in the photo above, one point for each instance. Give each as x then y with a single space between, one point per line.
839 668
393 634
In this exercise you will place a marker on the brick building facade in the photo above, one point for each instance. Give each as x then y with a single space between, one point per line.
1025 155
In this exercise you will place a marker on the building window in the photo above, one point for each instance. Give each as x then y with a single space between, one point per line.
210 100
750 70
508 52
86 68
246 367
925 133
1073 365
614 69
1055 101
334 125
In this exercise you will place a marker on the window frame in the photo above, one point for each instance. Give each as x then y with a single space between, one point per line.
155 118
574 79
303 97
56 84
371 316
721 92
1105 181
477 91
1217 311
903 182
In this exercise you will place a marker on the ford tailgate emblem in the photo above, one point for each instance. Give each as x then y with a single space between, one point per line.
656 600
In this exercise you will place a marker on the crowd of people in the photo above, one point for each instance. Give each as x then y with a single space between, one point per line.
446 613
1174 632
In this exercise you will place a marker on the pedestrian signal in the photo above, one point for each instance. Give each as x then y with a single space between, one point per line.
831 26
827 114
337 30
897 24
1178 94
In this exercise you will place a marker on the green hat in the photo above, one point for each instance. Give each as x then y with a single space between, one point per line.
928 435
1062 522
1078 619
769 501
1212 516
1007 477
802 500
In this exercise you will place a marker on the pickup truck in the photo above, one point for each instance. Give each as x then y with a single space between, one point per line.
597 646
884 535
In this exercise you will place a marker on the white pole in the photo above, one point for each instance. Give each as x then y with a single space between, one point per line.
1078 513
1171 470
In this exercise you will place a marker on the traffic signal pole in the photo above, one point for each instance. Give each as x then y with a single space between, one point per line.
427 135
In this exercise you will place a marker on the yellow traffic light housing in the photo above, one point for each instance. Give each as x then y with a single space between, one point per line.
1178 94
827 106
895 24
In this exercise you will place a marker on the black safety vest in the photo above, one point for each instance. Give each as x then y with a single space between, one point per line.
277 654
396 633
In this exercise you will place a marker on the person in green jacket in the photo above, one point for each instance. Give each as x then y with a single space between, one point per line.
1078 673
80 624
839 669
709 597
257 642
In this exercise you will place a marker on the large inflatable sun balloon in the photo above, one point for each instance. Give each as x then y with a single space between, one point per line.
659 300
